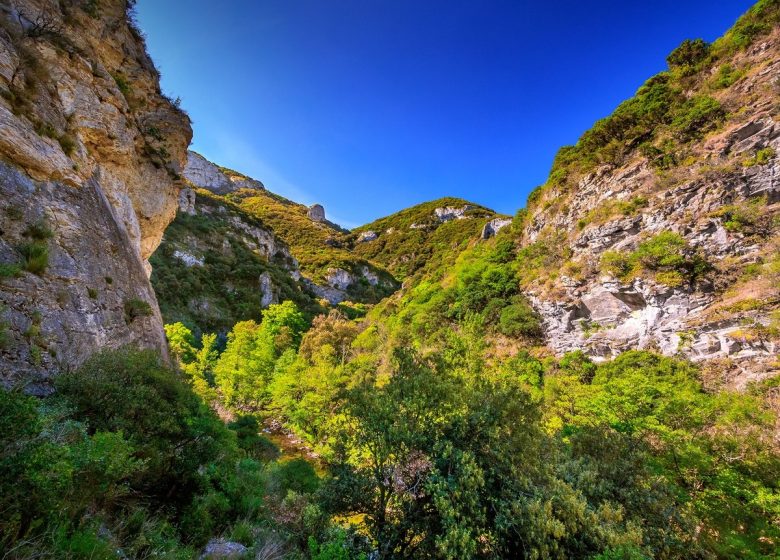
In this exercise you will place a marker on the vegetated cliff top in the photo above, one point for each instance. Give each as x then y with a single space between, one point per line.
315 243
659 228
219 265
422 238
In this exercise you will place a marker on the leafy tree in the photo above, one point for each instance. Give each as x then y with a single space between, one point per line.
173 432
689 53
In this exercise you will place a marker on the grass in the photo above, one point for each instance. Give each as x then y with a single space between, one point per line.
35 257
666 257
122 84
135 308
761 157
10 270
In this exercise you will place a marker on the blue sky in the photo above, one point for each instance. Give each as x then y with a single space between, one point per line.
370 106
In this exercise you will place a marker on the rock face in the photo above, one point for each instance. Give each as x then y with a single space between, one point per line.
220 549
316 213
366 236
494 226
202 173
449 213
723 205
92 152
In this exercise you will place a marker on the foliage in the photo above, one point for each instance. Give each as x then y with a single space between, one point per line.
413 242
135 308
35 256
316 245
697 115
667 255
226 288
689 53
244 370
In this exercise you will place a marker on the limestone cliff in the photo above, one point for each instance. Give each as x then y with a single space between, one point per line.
667 237
328 269
90 156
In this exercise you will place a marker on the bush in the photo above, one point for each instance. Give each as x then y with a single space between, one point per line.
667 255
9 270
247 430
697 115
135 308
761 157
299 476
35 257
519 319
689 53
132 392
67 143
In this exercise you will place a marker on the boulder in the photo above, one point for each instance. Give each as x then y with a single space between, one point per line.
366 236
494 226
316 213
220 549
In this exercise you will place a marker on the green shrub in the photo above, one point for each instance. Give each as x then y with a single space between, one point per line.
247 430
519 319
35 257
131 392
122 84
697 115
39 231
689 53
725 77
135 308
67 143
666 255
299 476
761 157
9 270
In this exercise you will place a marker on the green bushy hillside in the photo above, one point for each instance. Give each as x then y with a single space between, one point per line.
224 286
413 241
441 423
317 246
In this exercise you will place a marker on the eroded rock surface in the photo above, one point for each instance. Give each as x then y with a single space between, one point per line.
723 201
92 152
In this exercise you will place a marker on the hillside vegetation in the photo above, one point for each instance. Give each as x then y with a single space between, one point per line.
496 405
415 241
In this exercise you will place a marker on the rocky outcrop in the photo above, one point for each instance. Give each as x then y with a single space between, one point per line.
448 213
366 236
202 173
722 201
494 226
220 549
316 213
92 152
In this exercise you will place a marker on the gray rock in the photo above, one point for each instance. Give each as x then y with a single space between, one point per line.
494 226
316 213
366 236
447 213
202 173
187 201
220 549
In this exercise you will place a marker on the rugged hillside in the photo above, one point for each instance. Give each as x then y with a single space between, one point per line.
328 269
91 153
659 229
218 265
421 238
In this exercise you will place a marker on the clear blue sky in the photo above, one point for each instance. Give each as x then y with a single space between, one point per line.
370 106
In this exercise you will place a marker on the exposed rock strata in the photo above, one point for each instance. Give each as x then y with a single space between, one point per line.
92 149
